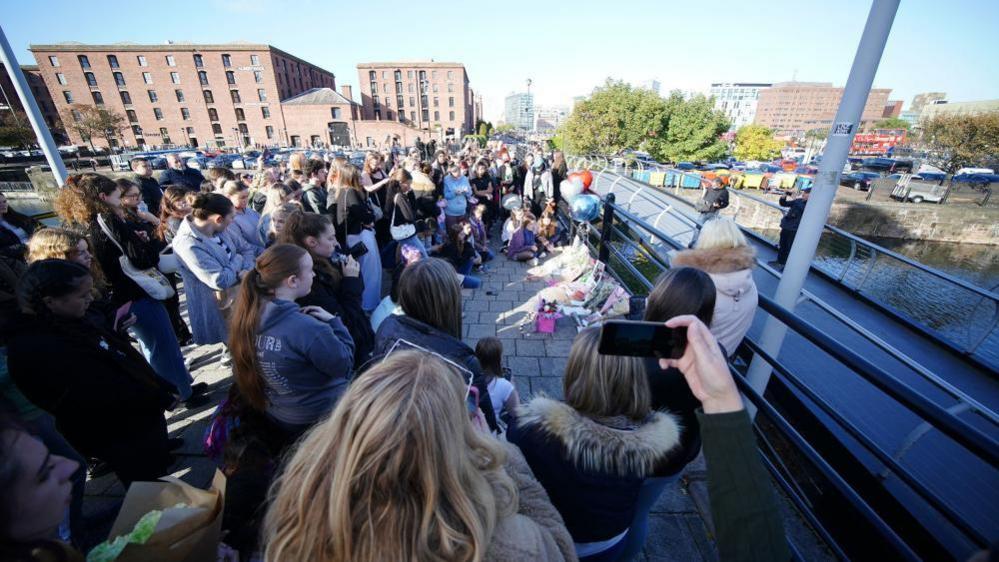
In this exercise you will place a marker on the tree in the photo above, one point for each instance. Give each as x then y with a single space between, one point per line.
963 140
756 142
693 132
817 134
15 130
504 128
893 123
616 117
484 128
97 121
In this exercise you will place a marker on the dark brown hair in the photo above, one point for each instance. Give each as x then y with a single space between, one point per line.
489 352
276 264
171 196
205 205
429 292
682 290
299 226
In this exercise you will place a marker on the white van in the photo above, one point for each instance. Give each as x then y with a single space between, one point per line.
974 171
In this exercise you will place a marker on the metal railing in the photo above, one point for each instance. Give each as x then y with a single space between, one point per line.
632 247
959 314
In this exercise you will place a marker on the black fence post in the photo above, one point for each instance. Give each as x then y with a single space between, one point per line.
605 228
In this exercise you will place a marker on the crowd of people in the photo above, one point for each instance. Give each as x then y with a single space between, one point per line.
359 425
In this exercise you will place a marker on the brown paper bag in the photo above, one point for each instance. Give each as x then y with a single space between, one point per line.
182 534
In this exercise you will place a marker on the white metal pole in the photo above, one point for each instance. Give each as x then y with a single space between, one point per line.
845 125
31 108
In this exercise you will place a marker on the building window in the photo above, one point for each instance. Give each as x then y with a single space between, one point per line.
255 60
226 61
142 60
385 88
335 112
152 96
147 77
209 98
412 101
376 102
399 102
296 140
450 75
61 78
199 62
269 131
180 95
423 102
213 114
132 118
240 115
126 98
119 78
258 77
412 116
410 87
112 61
437 116
402 116
450 101
137 130
372 75
54 61
158 113
450 88
433 74
234 94
409 74
436 101
262 94
230 77
265 112
374 88
185 113
398 75
98 98
426 114
216 128
243 129
203 77
450 116
170 61
384 75
91 80
77 116
165 135
84 61
436 89
175 77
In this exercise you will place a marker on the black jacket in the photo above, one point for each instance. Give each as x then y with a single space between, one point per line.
100 390
188 178
712 197
314 199
143 254
10 244
396 328
794 213
152 193
344 301
671 393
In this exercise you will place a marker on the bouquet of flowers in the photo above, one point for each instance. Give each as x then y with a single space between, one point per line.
547 315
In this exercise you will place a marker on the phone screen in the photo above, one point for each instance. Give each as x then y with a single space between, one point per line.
642 339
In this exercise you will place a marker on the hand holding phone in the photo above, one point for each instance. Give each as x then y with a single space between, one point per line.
122 314
704 367
642 339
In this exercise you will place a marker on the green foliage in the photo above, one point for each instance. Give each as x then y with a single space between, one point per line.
619 117
818 134
893 123
504 128
15 130
484 128
755 142
963 140
97 122
557 141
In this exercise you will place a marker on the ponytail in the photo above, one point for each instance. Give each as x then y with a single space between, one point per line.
298 226
276 264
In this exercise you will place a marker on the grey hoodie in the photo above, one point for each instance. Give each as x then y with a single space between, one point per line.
305 363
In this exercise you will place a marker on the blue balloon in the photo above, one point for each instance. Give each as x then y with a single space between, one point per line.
586 207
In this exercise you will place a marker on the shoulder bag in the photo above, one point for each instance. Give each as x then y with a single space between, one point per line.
154 283
403 231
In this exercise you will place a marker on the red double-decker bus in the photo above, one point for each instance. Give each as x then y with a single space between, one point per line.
880 142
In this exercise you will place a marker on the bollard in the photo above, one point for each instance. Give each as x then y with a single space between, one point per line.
605 228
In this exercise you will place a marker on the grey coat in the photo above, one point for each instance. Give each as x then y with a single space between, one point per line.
206 269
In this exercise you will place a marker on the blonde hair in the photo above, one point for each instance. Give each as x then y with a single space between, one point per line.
232 187
53 243
720 232
296 161
605 385
397 472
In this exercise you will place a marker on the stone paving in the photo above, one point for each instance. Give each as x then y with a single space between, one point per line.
500 308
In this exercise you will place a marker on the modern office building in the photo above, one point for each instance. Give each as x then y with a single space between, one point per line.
791 109
178 94
431 96
952 108
549 118
520 111
737 100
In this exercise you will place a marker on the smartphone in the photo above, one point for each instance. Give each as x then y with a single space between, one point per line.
357 250
642 339
121 314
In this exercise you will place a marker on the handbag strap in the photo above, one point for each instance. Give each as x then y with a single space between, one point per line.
107 231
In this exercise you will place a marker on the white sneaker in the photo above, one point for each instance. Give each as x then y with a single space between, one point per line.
534 262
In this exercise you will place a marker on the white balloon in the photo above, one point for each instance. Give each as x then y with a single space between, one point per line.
570 189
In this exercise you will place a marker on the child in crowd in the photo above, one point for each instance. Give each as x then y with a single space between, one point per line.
523 243
502 393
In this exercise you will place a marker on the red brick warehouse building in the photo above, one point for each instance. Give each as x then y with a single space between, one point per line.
179 93
434 97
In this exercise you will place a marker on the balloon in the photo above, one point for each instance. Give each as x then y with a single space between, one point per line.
585 176
586 207
570 189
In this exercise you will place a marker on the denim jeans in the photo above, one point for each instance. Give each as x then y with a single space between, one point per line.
470 282
159 344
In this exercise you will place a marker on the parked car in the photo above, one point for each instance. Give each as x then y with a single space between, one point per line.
200 162
976 179
861 181
225 160
919 192
964 171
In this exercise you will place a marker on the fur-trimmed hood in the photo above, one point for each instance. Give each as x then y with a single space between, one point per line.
717 260
632 451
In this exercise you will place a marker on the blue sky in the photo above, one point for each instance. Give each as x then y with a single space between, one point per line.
566 48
